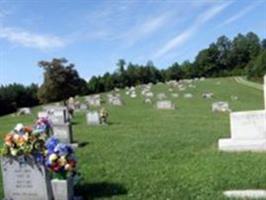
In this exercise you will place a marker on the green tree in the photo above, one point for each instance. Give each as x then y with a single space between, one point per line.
257 68
61 81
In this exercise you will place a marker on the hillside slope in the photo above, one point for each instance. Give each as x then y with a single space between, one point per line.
149 154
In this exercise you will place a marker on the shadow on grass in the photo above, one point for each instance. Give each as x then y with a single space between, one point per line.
100 190
83 144
74 123
113 123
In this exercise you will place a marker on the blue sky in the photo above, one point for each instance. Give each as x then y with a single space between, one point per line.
94 34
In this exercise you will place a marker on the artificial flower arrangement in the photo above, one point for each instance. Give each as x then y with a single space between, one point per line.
60 159
25 141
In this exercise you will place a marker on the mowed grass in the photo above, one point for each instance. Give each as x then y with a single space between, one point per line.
149 154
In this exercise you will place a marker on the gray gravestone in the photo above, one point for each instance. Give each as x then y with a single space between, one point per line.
57 114
63 132
93 118
25 179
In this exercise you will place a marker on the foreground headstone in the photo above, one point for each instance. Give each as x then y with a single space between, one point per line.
247 132
24 179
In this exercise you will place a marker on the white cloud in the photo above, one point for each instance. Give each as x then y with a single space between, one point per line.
189 32
146 28
239 14
28 39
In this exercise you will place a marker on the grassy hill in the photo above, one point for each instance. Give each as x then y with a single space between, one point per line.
149 154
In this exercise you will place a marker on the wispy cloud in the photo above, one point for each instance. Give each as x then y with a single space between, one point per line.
240 14
145 28
29 39
190 31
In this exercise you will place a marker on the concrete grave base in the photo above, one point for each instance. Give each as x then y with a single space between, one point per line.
242 145
246 194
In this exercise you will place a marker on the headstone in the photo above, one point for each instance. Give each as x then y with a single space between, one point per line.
234 98
57 114
248 131
24 111
188 95
147 101
264 87
207 95
93 118
43 114
161 96
220 106
24 179
165 105
133 95
175 95
245 194
83 107
63 132
149 94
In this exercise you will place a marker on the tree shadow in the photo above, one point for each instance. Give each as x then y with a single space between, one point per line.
90 191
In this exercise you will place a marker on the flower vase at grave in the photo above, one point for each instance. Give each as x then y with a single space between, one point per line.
63 189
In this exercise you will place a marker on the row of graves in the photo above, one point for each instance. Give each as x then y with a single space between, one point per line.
38 162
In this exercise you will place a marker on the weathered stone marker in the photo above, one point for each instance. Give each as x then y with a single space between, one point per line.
24 179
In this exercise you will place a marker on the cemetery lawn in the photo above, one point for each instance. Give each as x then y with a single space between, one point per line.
149 154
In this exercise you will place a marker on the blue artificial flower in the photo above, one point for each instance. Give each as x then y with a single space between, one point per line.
63 149
51 143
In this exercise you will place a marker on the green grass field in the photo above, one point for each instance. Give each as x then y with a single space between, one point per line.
149 154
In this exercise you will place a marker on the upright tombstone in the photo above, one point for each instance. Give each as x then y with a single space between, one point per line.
61 125
93 118
63 132
25 179
248 131
57 114
165 105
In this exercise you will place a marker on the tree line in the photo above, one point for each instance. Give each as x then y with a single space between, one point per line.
243 55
